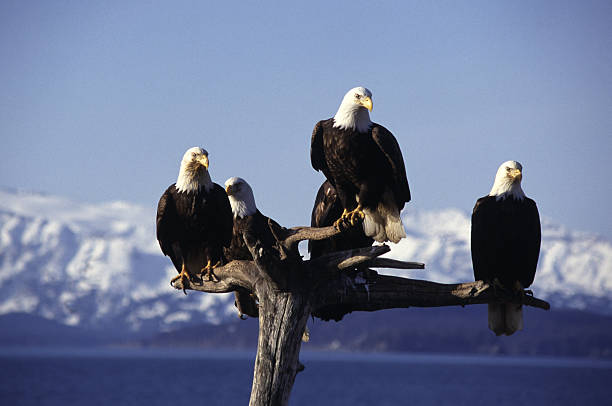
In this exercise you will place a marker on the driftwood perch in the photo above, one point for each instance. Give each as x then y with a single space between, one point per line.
282 290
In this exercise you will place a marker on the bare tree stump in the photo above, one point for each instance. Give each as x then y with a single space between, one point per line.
282 320
289 290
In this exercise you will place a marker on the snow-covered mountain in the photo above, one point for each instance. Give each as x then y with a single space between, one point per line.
92 265
99 265
574 269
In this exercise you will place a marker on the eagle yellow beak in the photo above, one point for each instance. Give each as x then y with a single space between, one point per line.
515 173
204 161
228 190
367 103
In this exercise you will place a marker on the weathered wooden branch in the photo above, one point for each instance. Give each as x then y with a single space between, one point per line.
364 292
288 290
309 233
231 277
393 263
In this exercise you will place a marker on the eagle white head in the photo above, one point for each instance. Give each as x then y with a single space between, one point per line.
353 113
240 197
194 171
508 181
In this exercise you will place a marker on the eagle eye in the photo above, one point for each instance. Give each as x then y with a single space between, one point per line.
358 96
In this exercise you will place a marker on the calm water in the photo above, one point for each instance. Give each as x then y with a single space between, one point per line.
184 377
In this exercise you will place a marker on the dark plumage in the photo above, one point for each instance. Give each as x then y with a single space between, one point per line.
194 218
506 243
364 163
249 224
505 240
252 226
327 209
255 229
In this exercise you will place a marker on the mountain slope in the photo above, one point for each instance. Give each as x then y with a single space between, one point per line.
23 330
98 266
574 269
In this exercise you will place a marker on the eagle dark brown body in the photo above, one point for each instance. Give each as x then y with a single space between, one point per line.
360 164
505 240
193 227
327 209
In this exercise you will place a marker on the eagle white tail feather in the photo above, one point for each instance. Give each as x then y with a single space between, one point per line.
395 228
496 318
505 318
374 225
384 223
514 318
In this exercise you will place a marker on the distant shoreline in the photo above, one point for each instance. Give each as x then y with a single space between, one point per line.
305 356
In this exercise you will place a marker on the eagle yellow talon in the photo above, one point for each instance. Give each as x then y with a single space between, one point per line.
352 217
207 272
342 220
184 277
355 215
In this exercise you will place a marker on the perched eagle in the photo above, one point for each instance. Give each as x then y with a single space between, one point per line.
249 223
327 209
506 243
194 219
364 163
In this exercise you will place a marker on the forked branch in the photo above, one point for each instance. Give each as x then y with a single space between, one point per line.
282 291
343 279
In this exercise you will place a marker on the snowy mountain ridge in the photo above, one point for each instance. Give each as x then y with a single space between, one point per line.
93 265
99 265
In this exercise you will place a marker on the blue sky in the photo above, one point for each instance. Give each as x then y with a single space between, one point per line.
100 100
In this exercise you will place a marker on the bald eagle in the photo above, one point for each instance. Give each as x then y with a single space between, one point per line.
506 243
364 163
327 209
249 223
194 219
